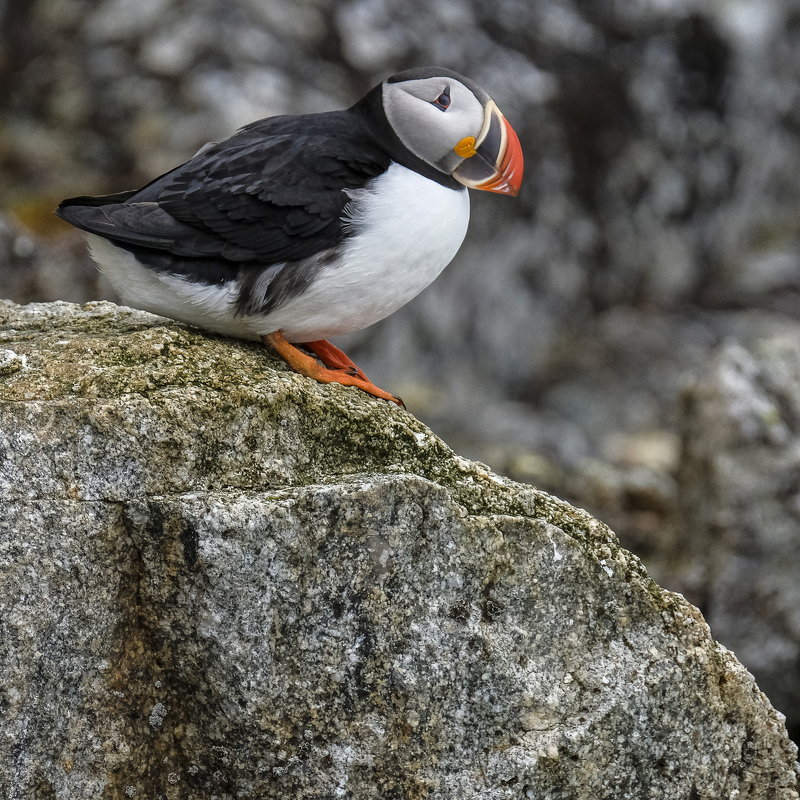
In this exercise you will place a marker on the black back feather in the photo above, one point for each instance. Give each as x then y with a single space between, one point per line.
274 192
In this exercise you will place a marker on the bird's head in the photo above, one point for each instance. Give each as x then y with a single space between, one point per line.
450 123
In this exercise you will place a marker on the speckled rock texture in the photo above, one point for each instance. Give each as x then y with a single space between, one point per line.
222 580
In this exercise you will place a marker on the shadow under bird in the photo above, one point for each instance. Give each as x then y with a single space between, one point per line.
299 228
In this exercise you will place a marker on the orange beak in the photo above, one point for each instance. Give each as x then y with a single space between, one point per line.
495 162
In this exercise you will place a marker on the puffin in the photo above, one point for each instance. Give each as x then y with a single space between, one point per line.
299 228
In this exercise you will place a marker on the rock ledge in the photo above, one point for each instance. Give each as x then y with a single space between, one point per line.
222 580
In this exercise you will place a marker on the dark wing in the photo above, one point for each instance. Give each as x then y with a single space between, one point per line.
273 192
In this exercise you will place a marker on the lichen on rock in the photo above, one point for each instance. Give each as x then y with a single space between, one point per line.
221 579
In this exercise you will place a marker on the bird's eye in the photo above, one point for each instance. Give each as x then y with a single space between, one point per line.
442 102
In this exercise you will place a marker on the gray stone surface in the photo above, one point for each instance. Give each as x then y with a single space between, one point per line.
222 580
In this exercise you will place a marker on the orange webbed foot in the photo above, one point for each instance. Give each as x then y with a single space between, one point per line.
334 358
336 367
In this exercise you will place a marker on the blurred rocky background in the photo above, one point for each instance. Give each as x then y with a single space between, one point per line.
624 334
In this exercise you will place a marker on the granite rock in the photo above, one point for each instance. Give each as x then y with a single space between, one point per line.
222 580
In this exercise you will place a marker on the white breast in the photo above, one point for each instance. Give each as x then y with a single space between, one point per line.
406 230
